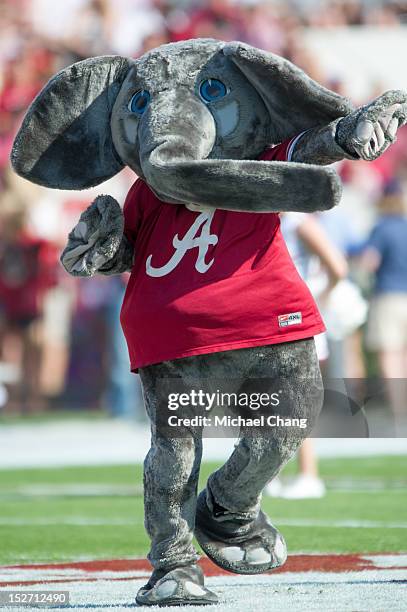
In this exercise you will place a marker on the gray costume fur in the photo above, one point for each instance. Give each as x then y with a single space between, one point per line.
82 130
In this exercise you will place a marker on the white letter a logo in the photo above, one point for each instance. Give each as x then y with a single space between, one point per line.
189 241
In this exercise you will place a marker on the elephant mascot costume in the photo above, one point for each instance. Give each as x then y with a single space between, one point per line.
223 137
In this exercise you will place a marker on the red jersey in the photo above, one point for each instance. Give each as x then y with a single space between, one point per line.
204 282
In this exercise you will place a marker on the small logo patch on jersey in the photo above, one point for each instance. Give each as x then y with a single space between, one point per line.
294 318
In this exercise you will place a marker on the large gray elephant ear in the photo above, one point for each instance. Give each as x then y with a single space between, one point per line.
294 100
65 140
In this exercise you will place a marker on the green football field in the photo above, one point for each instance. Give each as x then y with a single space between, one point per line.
97 512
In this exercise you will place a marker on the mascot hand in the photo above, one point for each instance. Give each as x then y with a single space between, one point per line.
94 241
368 132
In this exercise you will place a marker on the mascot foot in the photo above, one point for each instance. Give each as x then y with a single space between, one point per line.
243 548
181 586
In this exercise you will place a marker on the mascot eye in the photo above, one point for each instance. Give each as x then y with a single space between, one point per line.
139 102
212 90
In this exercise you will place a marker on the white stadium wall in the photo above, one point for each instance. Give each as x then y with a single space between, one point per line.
364 58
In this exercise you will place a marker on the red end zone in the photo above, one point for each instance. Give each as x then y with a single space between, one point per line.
130 569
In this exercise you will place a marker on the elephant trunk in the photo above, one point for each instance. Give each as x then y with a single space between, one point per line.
171 133
177 140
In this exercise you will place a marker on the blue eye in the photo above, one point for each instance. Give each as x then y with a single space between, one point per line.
212 90
139 102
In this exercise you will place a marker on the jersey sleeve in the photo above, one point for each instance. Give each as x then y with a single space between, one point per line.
282 152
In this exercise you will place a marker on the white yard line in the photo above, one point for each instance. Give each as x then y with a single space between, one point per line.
364 591
383 561
73 490
68 521
352 524
109 442
86 521
357 485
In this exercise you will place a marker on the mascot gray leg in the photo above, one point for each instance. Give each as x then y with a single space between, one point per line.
230 527
228 522
171 471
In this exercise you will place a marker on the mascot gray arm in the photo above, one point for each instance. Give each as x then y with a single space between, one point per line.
364 134
97 243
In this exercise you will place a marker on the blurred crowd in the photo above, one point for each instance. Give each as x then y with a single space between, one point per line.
60 340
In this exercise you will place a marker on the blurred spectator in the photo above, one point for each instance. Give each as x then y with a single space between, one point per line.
310 248
123 388
27 271
344 310
386 257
